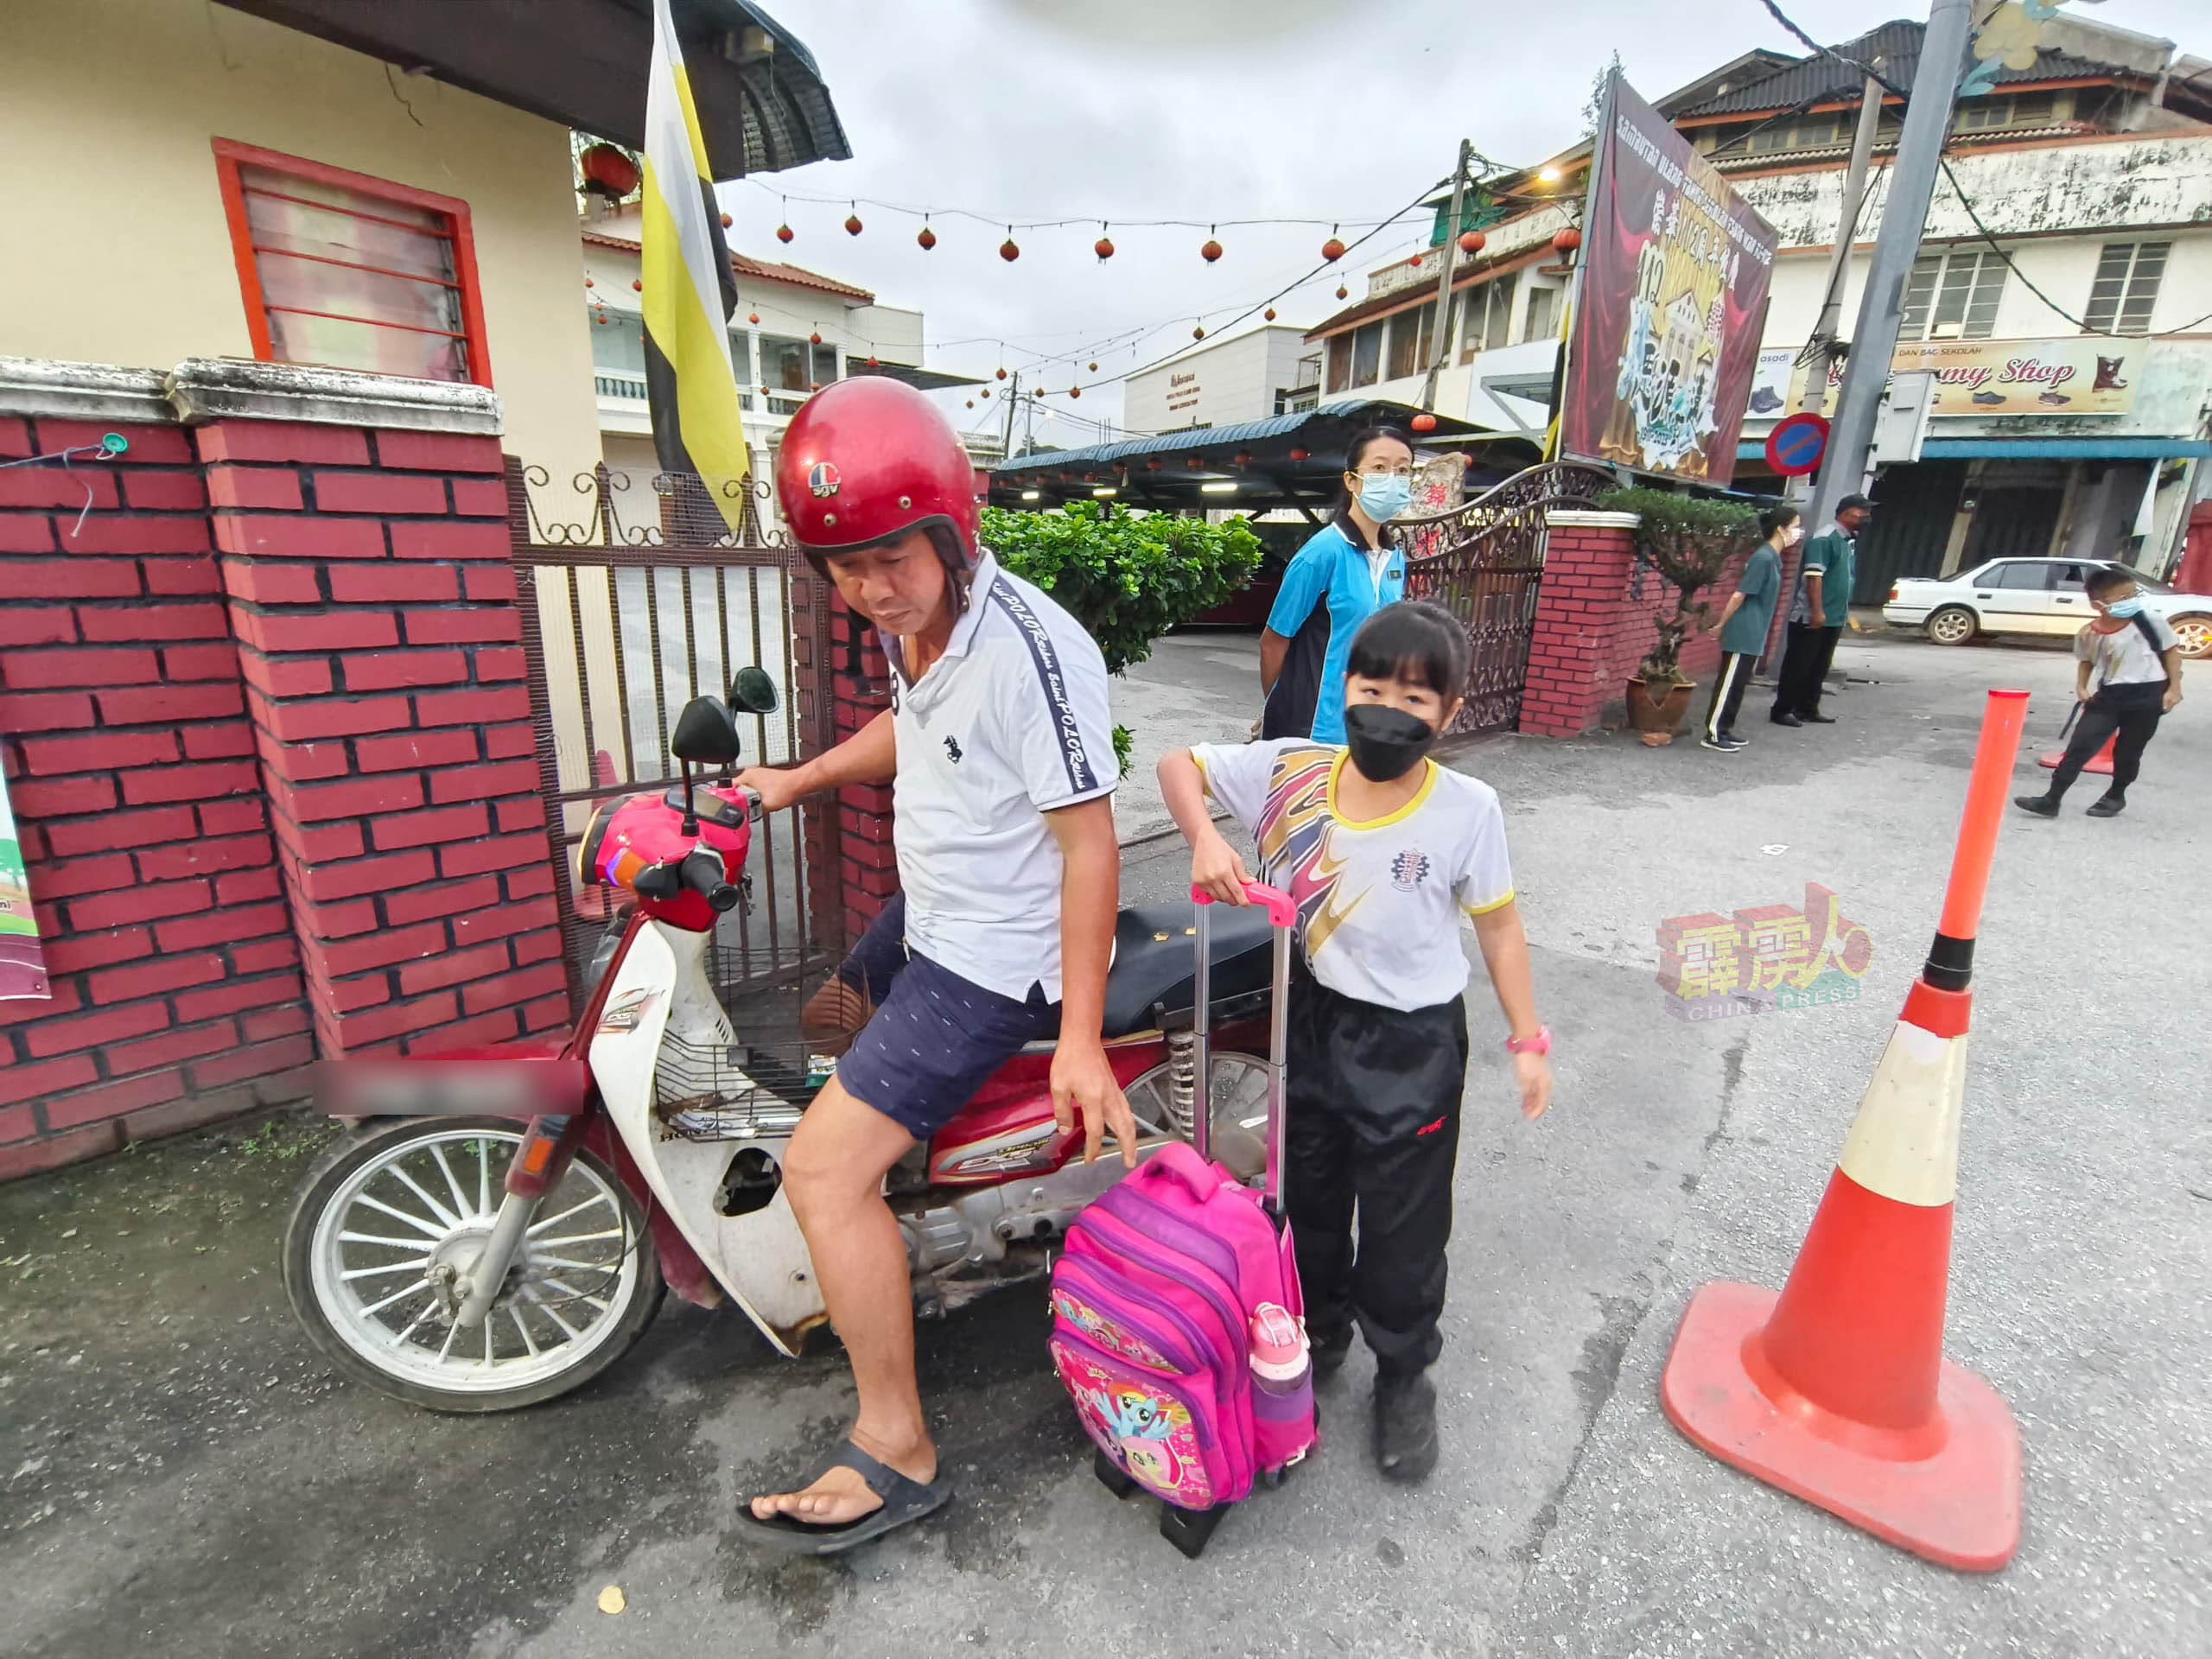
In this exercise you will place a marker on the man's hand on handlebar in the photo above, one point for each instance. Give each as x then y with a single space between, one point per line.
777 786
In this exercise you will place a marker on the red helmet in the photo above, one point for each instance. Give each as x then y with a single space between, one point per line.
870 458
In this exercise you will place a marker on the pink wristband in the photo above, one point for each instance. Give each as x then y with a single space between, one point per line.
1539 1044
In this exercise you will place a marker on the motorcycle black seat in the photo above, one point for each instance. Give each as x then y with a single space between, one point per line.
1154 962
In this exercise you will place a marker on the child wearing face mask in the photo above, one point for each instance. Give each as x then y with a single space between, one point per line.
1383 850
1350 568
1742 625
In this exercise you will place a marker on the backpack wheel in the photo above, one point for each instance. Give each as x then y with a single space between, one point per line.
1115 1479
1189 1530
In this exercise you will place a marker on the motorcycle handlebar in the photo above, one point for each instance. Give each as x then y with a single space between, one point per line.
703 872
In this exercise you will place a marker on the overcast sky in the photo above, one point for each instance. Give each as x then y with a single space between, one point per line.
1130 110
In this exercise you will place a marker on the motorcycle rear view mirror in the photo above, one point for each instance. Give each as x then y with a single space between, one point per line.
753 692
705 735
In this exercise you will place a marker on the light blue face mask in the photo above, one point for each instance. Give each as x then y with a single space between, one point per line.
2123 608
1383 496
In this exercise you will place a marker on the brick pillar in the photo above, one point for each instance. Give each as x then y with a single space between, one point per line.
844 683
361 533
176 991
1580 604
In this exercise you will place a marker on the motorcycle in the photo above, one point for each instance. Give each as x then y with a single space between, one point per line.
502 1224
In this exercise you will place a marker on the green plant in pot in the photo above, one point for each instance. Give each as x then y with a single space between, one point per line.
1687 543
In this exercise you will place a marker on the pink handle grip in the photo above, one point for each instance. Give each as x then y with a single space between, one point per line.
1282 911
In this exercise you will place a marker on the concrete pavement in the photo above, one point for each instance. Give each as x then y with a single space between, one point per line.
187 1479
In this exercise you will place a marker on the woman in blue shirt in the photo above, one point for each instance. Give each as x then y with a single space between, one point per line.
1349 570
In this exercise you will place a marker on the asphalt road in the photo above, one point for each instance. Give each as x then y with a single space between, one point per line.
183 1475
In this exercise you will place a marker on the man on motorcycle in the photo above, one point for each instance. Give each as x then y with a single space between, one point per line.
1000 746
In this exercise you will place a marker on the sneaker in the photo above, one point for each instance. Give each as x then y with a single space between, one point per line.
1741 742
2107 805
1818 719
2044 806
1329 1350
1405 1426
1725 745
1785 720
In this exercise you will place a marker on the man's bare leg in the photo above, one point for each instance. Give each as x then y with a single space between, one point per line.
833 1178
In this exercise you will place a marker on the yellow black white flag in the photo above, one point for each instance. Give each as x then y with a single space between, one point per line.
690 291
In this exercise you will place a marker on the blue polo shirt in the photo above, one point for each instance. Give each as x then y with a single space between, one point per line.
1331 586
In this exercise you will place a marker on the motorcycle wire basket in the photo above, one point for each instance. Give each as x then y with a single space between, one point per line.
742 1090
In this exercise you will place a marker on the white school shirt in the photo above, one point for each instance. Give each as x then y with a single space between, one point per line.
1011 724
2124 657
1378 902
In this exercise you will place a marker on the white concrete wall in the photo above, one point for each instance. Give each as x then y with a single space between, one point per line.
1229 380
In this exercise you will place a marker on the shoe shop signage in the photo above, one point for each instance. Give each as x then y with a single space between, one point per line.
2086 374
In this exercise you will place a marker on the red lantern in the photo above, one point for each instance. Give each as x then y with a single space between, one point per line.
1466 460
814 386
1094 368
1103 248
971 403
608 172
638 287
1243 457
985 393
1414 261
728 221
1002 374
813 339
927 239
589 282
1152 466
1007 250
754 317
1075 392
1196 463
784 233
1566 241
852 224
1423 423
1471 242
1269 314
1332 250
1342 292
873 364
1301 455
1199 332
1210 252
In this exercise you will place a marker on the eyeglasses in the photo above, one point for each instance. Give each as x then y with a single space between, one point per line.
1384 469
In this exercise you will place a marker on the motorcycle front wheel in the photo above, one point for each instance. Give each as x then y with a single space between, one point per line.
390 1218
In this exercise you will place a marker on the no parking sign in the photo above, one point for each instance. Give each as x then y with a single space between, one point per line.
1795 446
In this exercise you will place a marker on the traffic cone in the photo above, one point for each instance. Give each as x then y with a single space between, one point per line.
1837 1390
2099 763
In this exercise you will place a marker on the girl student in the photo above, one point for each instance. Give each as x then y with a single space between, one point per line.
1383 850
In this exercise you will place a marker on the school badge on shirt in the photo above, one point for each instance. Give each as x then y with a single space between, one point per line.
1410 869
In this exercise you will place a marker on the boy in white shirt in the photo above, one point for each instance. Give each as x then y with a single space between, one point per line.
1382 850
2128 675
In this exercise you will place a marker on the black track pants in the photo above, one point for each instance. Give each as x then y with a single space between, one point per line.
2133 712
1373 1100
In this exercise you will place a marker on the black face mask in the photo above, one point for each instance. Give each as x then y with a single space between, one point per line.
1386 743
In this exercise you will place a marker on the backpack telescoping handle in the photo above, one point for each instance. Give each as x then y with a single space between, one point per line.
1282 914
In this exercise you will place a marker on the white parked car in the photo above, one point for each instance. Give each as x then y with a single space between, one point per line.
2035 596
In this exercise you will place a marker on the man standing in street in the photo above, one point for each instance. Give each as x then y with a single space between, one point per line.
1818 611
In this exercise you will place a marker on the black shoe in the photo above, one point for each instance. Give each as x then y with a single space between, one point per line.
1725 745
2107 805
1818 719
2044 806
1329 1350
1785 720
1405 1426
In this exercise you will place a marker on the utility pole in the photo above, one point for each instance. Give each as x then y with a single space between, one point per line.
1913 184
1846 230
1444 283
1013 397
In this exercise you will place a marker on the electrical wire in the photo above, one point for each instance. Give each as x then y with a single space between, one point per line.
1016 223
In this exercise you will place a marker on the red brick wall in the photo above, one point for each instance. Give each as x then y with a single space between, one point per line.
1595 623
372 595
176 990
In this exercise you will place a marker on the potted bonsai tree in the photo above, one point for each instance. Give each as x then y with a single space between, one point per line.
1687 543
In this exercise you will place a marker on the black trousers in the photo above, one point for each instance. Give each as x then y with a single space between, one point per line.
1373 1101
1805 662
1736 668
2131 711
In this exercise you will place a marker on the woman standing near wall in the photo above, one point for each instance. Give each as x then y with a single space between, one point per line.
1347 570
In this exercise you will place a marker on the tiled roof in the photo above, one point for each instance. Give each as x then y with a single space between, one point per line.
1897 44
764 270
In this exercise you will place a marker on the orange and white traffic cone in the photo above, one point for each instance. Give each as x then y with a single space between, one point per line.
1837 1390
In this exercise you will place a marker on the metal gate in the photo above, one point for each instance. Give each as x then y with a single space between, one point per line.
1483 561
642 601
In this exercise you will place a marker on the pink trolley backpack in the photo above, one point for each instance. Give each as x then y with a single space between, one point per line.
1178 1325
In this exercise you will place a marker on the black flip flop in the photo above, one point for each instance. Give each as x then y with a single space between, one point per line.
905 1501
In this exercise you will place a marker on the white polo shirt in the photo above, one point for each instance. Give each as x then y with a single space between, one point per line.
1011 724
